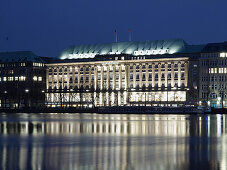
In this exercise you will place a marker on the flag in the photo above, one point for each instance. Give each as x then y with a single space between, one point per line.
129 30
7 38
115 32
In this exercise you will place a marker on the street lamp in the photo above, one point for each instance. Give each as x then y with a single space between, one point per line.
27 102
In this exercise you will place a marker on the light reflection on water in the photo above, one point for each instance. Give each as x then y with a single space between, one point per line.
93 141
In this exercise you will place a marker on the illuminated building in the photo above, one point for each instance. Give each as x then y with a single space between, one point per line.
213 78
151 73
22 80
148 73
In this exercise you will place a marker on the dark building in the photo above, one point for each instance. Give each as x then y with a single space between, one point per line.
213 75
22 80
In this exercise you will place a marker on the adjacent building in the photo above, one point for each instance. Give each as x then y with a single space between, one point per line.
22 80
213 75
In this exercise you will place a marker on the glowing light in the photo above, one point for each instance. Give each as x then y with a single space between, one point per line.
35 78
208 103
223 54
150 52
78 56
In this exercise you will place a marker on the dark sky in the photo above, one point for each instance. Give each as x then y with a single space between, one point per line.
46 27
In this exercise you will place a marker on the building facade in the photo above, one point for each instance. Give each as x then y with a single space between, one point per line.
213 75
22 80
151 73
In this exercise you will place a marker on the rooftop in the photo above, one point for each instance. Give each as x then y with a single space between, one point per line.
20 56
215 47
156 47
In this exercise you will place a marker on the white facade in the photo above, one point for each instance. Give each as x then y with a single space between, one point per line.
140 81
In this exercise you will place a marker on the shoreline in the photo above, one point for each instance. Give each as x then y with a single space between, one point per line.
117 110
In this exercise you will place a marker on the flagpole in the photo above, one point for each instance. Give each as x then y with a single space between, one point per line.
115 33
129 35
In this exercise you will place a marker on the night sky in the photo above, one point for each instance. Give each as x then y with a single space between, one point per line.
46 27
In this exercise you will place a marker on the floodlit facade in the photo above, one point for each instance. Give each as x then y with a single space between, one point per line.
150 73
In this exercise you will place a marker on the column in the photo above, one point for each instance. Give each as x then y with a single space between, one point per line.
47 77
95 77
89 77
73 76
102 77
186 70
153 74
159 75
52 85
84 76
127 77
120 76
58 79
179 74
134 75
63 76
114 77
108 77
147 75
78 77
68 77
166 75
140 75
172 74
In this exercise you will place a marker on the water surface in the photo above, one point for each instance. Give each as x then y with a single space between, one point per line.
109 142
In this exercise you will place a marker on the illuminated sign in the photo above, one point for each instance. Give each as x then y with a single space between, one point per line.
151 52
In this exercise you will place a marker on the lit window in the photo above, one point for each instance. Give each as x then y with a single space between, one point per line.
39 78
4 78
35 78
10 72
221 70
22 64
22 78
16 78
222 54
10 78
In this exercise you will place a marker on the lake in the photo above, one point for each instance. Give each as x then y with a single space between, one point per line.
108 142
